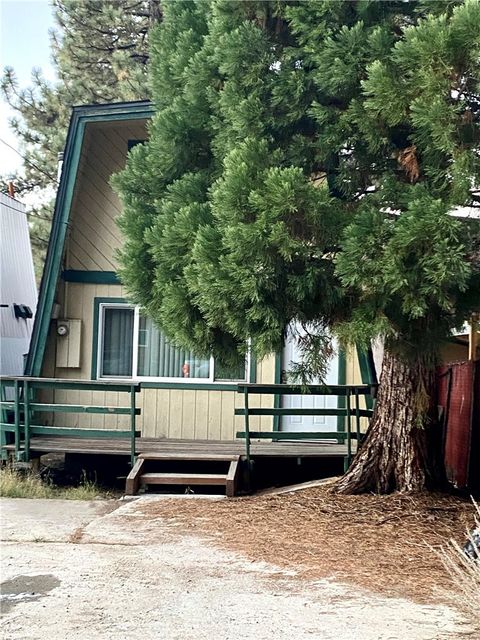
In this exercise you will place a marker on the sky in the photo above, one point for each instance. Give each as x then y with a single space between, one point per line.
24 44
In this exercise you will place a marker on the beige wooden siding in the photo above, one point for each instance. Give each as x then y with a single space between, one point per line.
166 413
94 235
354 376
91 245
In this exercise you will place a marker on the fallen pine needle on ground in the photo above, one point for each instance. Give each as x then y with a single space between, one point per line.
381 543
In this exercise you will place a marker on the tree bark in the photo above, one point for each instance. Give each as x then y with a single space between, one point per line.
399 452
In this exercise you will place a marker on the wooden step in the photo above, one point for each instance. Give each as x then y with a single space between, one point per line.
183 478
172 455
137 475
133 478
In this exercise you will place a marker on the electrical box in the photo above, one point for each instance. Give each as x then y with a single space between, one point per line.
69 339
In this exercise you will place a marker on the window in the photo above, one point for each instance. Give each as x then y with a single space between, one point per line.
131 346
117 343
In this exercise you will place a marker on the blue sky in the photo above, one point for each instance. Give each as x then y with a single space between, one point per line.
24 44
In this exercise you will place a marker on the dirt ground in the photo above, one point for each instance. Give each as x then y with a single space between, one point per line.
377 542
196 568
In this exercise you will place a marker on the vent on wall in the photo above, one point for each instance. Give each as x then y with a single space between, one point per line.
22 311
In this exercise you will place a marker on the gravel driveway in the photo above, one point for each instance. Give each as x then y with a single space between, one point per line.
102 570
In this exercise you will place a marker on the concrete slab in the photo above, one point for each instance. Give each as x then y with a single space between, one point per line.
124 574
34 520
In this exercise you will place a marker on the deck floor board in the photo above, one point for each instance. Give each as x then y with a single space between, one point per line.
105 446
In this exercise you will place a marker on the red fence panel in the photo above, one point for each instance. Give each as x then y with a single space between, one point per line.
456 397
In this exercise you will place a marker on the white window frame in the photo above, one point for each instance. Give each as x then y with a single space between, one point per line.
135 377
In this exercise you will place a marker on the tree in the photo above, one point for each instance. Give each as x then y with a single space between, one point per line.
304 163
100 52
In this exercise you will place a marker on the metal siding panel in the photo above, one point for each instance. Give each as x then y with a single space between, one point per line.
17 284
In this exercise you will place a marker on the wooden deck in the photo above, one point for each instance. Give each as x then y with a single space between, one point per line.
121 447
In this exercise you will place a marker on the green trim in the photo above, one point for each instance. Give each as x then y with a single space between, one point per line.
287 411
74 408
278 368
342 379
55 248
74 432
96 319
367 371
77 385
365 362
277 399
294 435
253 368
314 389
90 277
81 116
198 386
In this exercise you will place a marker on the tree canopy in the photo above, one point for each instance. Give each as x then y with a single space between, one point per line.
303 164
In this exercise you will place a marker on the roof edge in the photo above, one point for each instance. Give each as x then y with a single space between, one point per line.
81 116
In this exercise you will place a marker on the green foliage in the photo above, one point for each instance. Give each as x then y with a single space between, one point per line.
303 165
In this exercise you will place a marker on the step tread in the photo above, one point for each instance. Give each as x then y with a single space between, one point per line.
189 456
183 478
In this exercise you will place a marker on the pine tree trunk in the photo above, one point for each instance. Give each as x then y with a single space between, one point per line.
398 453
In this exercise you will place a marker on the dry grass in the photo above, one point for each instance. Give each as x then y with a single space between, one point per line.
16 484
464 573
381 543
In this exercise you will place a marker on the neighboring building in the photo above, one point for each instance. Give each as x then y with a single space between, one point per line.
86 329
18 291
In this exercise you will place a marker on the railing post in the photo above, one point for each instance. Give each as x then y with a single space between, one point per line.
247 437
357 416
3 417
17 419
133 412
348 458
26 408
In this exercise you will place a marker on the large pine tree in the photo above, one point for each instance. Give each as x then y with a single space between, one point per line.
304 164
100 53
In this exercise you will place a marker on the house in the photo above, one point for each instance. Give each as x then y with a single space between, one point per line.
18 290
90 346
86 329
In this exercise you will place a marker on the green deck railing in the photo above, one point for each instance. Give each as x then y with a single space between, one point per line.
349 392
24 407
